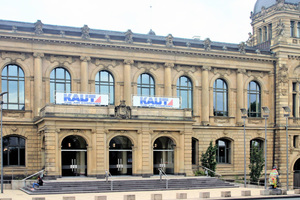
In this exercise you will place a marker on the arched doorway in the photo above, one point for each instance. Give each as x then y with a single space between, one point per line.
297 174
163 155
120 156
74 156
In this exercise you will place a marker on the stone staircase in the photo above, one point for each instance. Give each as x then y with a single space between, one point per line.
96 186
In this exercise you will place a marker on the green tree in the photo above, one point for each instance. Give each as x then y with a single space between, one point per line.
208 159
257 163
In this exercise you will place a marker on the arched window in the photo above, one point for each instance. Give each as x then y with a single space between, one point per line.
220 98
223 151
254 100
145 85
13 82
13 151
60 81
104 84
256 143
185 91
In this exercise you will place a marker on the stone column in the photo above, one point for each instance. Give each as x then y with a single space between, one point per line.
297 101
51 159
205 95
127 81
239 96
38 82
168 81
84 74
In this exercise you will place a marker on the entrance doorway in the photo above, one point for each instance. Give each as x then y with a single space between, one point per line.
163 155
120 156
74 156
297 174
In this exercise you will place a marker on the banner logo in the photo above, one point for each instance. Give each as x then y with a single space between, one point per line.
81 99
157 102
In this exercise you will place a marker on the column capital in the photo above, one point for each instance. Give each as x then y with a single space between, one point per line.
241 71
128 62
38 55
169 65
85 58
206 68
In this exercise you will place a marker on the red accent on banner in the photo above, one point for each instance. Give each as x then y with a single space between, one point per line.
98 100
171 103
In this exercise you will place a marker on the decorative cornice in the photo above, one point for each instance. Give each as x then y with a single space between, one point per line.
151 48
13 56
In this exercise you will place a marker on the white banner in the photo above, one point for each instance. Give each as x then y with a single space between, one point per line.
81 99
157 102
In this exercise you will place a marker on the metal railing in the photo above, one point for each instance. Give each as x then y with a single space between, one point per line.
107 175
37 173
161 174
206 171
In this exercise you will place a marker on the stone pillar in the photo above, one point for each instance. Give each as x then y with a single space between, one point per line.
84 74
297 101
205 96
50 153
239 96
127 81
168 81
38 82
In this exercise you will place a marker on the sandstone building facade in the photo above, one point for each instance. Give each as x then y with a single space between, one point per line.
213 81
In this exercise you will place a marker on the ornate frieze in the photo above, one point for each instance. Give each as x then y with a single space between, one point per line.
185 69
13 56
129 37
255 74
222 72
283 74
61 59
106 63
122 111
85 32
147 66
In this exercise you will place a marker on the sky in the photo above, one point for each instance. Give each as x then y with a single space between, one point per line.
220 20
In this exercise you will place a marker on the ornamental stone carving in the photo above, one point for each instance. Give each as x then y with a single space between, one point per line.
280 4
147 66
107 37
169 65
38 27
207 44
62 33
61 59
122 111
85 30
14 29
149 41
279 28
242 47
129 37
13 56
38 55
85 58
222 72
106 63
185 69
128 62
283 74
250 41
169 41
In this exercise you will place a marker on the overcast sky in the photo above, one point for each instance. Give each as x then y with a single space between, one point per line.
219 20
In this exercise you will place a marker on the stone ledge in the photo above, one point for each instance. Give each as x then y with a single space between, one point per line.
273 192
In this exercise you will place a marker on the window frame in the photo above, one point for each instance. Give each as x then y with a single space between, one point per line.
148 86
7 83
55 81
224 93
189 90
257 94
19 147
110 84
227 151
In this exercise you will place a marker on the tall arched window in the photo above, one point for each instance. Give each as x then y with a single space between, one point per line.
220 98
256 143
60 81
254 100
13 82
185 91
13 151
145 85
223 151
104 84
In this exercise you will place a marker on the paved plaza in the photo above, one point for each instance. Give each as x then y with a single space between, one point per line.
142 195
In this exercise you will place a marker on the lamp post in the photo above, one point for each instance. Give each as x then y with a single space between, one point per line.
244 116
287 110
1 102
266 111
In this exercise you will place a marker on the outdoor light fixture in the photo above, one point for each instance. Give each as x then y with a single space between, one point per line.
244 116
1 102
266 111
287 110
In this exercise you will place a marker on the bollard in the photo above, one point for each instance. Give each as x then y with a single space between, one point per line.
129 197
100 198
226 194
204 195
69 198
181 196
156 196
297 191
246 193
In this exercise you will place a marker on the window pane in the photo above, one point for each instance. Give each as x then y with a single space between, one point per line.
13 70
104 76
13 156
22 156
4 71
60 87
60 73
13 91
21 92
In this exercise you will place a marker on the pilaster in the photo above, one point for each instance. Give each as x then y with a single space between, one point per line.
38 82
127 81
84 71
168 84
205 96
239 95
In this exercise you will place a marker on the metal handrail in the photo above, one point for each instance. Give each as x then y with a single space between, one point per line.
107 175
206 169
40 172
161 174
